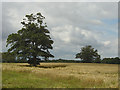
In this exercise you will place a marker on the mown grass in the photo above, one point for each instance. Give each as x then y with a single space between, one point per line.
59 75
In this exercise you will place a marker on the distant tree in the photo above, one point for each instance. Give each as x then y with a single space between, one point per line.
115 60
8 57
32 41
88 55
0 56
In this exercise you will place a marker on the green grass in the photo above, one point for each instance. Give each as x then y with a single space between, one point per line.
23 80
52 75
12 79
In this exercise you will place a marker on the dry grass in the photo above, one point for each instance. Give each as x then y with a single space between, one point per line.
86 74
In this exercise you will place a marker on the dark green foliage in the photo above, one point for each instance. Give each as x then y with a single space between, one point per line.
32 41
11 58
97 60
8 57
115 60
88 55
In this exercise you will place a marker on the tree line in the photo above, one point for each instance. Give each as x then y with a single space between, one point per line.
33 42
10 58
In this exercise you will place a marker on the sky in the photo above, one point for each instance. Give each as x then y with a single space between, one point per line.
72 25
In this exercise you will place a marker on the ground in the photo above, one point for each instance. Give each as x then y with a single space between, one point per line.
60 75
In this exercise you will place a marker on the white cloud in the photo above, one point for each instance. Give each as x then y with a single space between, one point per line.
106 43
96 22
63 33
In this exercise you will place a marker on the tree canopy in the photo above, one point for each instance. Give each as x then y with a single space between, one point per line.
88 54
33 41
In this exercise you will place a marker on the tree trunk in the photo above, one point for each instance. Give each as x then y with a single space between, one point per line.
35 61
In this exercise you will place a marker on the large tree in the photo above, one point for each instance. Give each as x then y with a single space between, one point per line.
33 41
88 54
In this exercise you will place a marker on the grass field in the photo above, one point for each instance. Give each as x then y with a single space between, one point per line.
59 75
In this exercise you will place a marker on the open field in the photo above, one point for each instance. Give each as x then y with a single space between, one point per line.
60 75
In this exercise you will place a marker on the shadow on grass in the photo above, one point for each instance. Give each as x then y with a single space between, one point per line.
41 66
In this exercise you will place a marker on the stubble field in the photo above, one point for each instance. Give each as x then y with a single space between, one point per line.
60 75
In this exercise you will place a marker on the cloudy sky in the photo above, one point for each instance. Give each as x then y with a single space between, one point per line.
72 25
